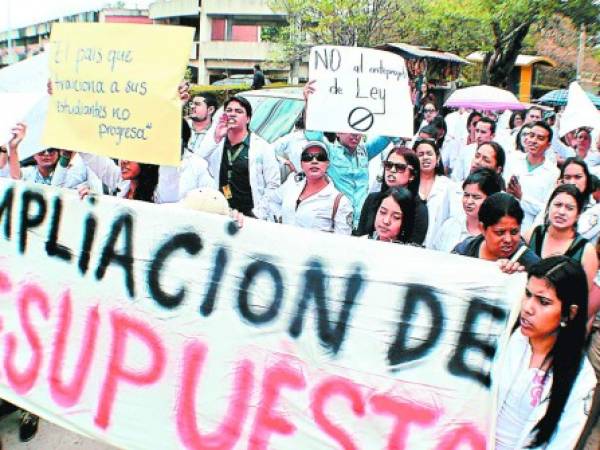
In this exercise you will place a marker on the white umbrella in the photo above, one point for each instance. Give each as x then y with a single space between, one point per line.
483 97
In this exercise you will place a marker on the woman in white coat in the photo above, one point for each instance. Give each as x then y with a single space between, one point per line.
542 380
309 199
435 189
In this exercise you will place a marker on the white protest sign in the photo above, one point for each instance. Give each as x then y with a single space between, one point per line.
149 326
15 107
359 90
579 112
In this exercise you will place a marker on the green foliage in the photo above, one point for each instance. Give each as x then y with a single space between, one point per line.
500 27
224 92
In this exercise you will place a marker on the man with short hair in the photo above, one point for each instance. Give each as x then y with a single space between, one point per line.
243 164
533 114
258 81
202 109
531 176
485 130
453 145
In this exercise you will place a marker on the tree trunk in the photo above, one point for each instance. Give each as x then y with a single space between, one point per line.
499 63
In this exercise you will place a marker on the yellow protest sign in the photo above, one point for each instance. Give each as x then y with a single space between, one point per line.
115 90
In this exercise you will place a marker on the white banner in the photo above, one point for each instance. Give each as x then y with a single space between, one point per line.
359 90
148 326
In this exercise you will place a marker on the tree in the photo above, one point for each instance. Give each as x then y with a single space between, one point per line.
510 23
363 23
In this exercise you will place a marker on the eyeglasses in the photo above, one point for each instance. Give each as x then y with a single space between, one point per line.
308 157
429 110
398 167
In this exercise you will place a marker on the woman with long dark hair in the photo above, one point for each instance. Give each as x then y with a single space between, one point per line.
558 235
435 189
394 220
478 186
500 217
541 378
128 179
401 168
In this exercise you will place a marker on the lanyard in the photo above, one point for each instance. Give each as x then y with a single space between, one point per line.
232 158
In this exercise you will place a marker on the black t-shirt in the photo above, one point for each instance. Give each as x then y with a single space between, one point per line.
234 176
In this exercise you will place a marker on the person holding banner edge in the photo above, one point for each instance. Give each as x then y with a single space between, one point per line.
500 217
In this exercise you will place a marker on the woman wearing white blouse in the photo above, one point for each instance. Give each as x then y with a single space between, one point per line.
542 380
310 200
435 189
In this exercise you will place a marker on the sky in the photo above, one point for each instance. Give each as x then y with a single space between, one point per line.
20 13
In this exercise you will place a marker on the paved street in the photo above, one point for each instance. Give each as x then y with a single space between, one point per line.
49 437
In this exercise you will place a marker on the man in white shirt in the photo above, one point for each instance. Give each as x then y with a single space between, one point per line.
485 130
531 176
453 145
203 107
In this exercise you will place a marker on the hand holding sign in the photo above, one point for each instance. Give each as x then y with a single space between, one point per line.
359 90
115 90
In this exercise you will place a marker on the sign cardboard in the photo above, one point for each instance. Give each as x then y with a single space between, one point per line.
115 90
359 90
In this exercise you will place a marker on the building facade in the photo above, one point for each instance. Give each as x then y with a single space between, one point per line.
230 35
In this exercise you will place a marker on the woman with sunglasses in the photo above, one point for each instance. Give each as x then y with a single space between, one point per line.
478 186
60 168
393 221
558 235
401 168
541 380
309 199
435 189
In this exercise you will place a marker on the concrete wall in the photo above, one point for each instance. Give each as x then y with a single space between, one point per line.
238 8
173 8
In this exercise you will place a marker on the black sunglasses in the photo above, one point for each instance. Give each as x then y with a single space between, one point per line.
398 167
320 157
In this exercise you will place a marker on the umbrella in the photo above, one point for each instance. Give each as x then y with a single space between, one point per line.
559 98
483 98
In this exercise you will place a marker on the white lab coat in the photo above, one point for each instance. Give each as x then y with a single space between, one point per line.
452 232
71 177
193 174
262 165
109 172
439 206
462 164
536 185
315 211
573 419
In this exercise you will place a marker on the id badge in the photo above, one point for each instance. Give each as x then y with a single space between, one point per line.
227 192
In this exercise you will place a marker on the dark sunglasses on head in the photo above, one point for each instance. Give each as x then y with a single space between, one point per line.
398 167
320 157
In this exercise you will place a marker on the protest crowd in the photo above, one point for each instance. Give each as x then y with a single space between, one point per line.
511 187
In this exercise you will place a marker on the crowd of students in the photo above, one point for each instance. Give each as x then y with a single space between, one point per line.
501 186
